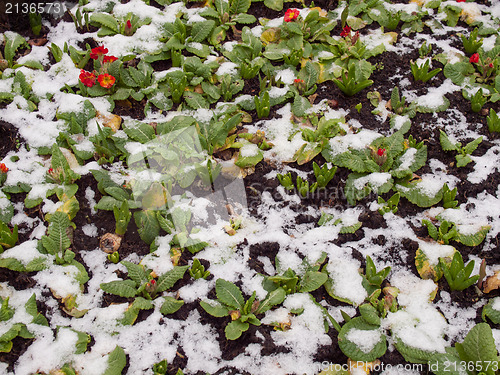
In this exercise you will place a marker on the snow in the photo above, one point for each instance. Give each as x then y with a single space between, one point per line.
365 340
375 180
433 251
421 321
346 279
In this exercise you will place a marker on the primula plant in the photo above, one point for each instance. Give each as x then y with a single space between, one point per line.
230 302
380 167
145 286
150 151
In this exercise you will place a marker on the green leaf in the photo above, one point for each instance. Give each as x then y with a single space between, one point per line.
32 309
147 225
490 312
57 240
142 132
136 272
106 20
413 192
447 363
369 314
239 6
229 294
351 350
122 288
235 328
195 100
107 203
300 105
12 264
244 18
6 346
309 74
215 309
249 161
412 354
462 160
274 4
479 348
473 239
352 161
117 361
12 42
168 279
312 281
6 312
273 298
171 305
471 146
201 30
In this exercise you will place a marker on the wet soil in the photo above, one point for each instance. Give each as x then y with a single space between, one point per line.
256 184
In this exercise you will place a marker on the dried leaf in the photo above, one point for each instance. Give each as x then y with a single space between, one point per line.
110 242
110 121
492 282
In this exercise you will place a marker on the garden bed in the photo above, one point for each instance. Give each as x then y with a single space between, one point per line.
250 187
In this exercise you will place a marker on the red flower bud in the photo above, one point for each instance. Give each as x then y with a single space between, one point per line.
291 14
3 168
346 31
98 51
109 59
381 151
51 171
129 24
474 58
87 78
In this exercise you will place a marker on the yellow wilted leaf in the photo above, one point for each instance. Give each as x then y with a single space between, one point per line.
425 269
271 35
71 159
321 12
110 121
175 255
155 198
492 282
70 207
470 12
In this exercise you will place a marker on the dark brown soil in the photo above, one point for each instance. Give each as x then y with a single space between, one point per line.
256 185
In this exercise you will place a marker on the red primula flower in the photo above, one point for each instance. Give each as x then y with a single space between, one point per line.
129 24
346 31
474 58
3 168
109 59
87 78
51 171
291 14
98 51
491 65
381 151
106 80
298 80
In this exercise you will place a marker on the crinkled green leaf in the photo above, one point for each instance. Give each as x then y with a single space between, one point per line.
229 294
